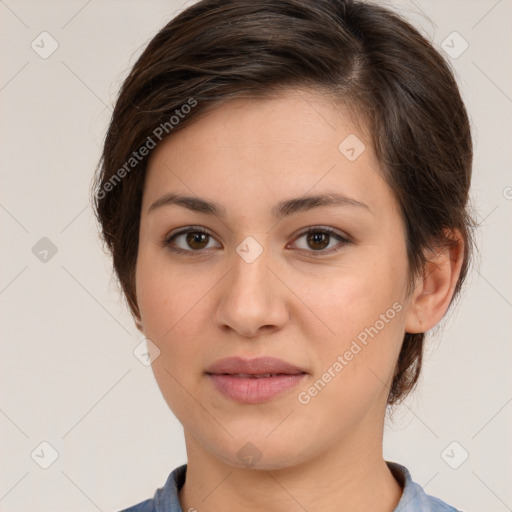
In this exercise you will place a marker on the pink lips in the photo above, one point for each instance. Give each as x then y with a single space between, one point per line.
256 380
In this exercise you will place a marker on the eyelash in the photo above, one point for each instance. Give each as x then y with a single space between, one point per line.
314 229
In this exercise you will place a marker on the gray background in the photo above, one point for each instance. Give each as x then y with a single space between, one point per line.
68 373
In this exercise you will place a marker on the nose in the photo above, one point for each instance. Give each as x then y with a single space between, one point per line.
252 299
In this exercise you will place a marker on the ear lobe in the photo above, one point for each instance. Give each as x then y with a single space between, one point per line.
434 289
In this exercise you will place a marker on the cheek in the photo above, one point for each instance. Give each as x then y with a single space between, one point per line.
364 311
171 310
355 365
164 294
174 305
354 297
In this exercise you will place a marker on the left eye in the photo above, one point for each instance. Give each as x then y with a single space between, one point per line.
317 240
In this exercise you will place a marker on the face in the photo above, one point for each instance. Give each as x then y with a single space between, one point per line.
318 284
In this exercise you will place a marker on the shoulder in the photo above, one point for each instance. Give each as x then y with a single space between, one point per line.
166 497
414 498
145 506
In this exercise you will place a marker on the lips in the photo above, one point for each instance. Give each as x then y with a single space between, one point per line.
253 381
254 376
259 367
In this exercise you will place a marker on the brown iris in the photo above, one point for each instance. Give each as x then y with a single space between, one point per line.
195 237
318 238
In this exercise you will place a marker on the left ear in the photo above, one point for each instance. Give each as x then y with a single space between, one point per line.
434 289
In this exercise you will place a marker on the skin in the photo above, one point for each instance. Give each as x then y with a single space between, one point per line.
291 303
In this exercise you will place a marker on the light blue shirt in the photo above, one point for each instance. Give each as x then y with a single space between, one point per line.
414 498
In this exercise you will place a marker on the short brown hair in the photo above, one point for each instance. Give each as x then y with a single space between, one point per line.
362 54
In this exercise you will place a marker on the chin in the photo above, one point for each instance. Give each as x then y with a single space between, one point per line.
259 453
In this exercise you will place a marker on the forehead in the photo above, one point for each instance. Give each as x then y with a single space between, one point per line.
254 150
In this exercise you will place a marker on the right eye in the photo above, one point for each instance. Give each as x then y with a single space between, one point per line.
189 240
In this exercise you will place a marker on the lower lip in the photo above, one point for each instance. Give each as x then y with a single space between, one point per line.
253 391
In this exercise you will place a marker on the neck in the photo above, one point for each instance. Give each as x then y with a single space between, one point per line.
350 477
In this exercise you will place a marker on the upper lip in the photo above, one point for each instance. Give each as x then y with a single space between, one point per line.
256 366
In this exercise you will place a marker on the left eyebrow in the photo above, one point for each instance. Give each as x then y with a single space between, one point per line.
280 210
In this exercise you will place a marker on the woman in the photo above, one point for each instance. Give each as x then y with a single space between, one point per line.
284 191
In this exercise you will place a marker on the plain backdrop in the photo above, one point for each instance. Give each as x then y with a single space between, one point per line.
69 378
